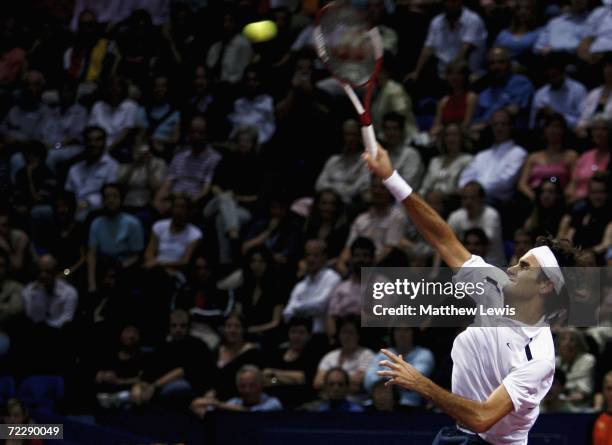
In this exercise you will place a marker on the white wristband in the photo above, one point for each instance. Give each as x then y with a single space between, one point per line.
397 186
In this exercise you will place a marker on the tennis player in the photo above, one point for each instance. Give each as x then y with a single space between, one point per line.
500 374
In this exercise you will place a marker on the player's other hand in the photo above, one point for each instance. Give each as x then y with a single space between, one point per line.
399 372
381 166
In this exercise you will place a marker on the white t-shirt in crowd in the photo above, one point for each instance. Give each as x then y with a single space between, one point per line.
172 246
359 361
520 357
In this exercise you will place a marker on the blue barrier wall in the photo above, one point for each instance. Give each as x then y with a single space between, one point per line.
297 428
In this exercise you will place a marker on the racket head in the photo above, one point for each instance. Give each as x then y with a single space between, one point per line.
347 44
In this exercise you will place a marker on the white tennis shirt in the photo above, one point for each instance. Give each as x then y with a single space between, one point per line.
520 357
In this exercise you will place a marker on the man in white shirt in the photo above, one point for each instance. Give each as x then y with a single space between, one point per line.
456 34
86 178
50 299
597 37
497 168
500 374
474 213
564 33
310 297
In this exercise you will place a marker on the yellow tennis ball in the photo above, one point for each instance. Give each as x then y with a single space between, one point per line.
260 31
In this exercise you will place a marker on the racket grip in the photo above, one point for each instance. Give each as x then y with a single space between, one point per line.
369 139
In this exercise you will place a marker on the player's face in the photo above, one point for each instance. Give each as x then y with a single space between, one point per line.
525 280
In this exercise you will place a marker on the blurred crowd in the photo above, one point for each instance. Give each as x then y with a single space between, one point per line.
185 213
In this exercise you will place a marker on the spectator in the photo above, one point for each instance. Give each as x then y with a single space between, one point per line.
506 90
117 371
66 237
548 211
346 297
345 173
23 119
474 213
142 48
327 222
556 160
520 37
498 167
457 107
590 225
310 296
591 161
420 358
159 118
182 365
50 300
16 244
578 365
92 57
237 186
62 130
444 170
391 97
260 299
232 354
561 94
191 170
564 32
254 107
228 58
406 160
277 230
250 385
169 251
456 34
13 55
18 415
35 183
383 223
11 303
201 96
350 356
553 401
141 178
86 178
522 243
113 236
595 40
602 430
385 398
336 384
116 113
292 366
597 102
476 242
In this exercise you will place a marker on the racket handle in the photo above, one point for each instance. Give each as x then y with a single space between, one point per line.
369 139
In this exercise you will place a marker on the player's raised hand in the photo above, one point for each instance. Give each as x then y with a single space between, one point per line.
400 372
381 166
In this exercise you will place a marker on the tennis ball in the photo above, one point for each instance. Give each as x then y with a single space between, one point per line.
260 31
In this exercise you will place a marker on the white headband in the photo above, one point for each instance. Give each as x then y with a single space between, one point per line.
547 261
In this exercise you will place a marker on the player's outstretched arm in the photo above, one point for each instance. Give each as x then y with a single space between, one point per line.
430 225
478 417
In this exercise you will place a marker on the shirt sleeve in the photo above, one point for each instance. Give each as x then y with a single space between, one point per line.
474 31
528 384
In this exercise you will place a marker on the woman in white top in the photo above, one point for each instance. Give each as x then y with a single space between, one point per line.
350 356
142 178
444 170
578 366
174 240
598 101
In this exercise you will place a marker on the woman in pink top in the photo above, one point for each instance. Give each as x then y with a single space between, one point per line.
555 161
591 161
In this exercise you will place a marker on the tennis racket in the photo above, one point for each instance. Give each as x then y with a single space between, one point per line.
352 50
